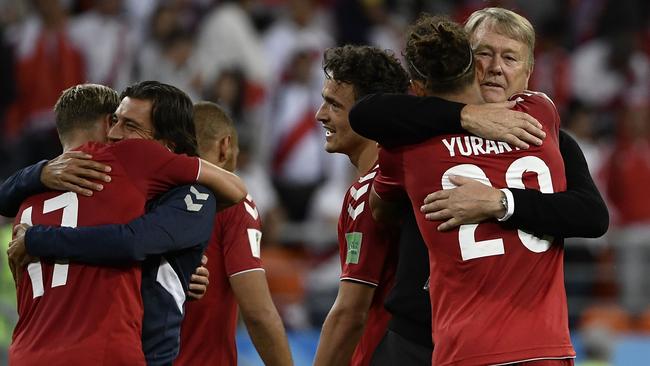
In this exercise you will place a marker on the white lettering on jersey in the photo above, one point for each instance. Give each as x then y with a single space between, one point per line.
69 202
474 146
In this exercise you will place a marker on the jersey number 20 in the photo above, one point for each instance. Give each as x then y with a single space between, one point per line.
470 248
70 204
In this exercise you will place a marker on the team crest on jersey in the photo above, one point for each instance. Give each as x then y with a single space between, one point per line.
353 241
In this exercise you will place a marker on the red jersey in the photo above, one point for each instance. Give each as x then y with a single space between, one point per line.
74 314
368 255
497 295
209 327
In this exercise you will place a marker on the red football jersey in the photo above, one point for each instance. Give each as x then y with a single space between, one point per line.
209 327
497 295
368 255
74 314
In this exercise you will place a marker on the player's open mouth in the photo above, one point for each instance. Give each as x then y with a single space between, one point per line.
328 131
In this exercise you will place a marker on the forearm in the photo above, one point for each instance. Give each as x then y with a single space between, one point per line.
262 320
339 337
107 245
227 187
400 119
563 214
168 227
267 333
578 212
15 189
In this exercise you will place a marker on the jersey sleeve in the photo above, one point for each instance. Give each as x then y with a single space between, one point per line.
241 237
540 106
400 119
17 188
153 168
578 212
181 219
363 246
388 183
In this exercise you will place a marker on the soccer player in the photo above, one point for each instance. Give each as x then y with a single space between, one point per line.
141 170
162 290
357 320
237 277
367 250
489 285
394 120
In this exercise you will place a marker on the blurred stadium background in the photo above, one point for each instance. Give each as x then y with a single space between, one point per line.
261 60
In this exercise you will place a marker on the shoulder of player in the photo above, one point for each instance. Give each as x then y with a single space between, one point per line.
537 102
530 96
140 145
246 209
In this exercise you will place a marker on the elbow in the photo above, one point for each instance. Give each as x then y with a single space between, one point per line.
261 318
133 255
596 225
601 221
243 192
351 319
239 191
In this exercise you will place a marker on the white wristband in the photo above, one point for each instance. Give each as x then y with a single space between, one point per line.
510 204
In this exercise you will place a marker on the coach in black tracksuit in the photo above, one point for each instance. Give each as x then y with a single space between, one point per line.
578 212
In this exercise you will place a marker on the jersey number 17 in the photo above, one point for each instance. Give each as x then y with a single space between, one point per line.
69 203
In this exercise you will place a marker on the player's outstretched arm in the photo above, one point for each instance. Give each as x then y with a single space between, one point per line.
578 212
398 119
182 219
261 317
344 324
228 188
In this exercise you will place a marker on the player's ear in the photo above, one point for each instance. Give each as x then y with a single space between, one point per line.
224 149
106 122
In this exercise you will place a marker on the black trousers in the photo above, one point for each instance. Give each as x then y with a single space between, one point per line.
397 350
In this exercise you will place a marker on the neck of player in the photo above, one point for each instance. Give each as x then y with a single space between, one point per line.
469 95
365 157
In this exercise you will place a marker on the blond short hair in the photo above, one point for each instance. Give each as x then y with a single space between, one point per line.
507 23
80 106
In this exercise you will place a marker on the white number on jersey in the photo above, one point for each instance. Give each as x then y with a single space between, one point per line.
70 204
472 249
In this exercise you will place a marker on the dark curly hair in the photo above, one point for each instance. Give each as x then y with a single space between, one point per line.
172 114
369 70
438 52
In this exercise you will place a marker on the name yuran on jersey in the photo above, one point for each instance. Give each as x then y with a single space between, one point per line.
474 145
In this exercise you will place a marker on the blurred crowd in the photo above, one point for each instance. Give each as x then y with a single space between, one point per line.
261 60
